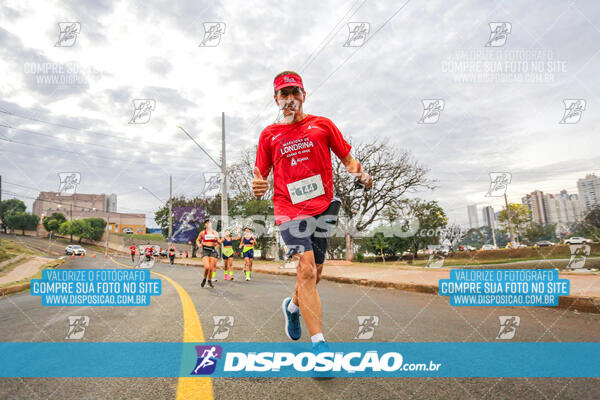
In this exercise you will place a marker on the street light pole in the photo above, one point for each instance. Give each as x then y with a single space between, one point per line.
222 167
71 220
170 208
224 210
512 234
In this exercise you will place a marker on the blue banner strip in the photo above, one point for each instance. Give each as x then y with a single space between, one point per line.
292 359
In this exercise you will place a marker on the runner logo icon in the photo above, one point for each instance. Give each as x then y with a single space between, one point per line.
223 325
68 32
207 359
573 111
498 34
508 326
432 108
366 326
77 325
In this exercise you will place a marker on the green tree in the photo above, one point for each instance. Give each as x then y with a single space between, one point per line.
520 216
82 229
11 206
22 220
589 226
431 219
52 223
65 228
97 226
536 232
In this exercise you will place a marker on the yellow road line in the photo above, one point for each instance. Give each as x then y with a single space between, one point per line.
188 388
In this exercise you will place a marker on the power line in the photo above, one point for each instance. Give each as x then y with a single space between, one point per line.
303 67
70 204
358 48
76 129
320 47
57 149
58 138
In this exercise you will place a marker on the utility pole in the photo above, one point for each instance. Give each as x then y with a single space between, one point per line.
224 210
1 222
512 234
170 208
222 166
107 233
71 217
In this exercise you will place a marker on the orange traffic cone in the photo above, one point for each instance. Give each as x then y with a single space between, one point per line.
73 255
105 255
94 255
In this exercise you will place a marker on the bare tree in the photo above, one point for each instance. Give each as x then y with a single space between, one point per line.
395 173
241 173
454 234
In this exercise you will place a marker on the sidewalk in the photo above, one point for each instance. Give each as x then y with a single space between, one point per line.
585 287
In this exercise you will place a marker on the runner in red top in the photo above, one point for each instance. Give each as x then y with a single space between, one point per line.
132 250
298 150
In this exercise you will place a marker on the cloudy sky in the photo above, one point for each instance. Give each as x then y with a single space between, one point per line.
68 107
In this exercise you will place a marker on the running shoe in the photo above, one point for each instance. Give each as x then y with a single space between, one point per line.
210 284
203 282
293 330
318 348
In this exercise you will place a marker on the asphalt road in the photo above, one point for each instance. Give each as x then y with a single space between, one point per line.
255 307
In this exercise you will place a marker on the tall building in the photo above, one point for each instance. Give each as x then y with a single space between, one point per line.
473 220
535 202
79 205
562 208
589 191
489 218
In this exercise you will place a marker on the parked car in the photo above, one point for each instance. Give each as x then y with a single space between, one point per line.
577 240
74 249
543 243
164 253
489 247
128 231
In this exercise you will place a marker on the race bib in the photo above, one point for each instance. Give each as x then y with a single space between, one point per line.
306 189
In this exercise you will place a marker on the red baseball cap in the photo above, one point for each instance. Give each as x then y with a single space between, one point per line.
287 80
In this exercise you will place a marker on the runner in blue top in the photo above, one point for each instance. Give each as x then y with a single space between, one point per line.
247 245
227 253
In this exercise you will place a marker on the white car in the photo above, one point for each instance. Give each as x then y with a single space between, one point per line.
577 240
74 249
129 231
489 247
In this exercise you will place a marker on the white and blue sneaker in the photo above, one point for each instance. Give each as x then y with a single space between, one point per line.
293 330
318 348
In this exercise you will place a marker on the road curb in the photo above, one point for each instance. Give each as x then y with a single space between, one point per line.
4 291
576 303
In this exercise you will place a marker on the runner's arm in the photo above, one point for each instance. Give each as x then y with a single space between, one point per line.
356 169
341 148
262 166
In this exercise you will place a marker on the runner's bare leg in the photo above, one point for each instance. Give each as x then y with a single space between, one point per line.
319 271
307 294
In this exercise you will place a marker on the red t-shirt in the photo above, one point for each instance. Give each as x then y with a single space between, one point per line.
298 151
132 248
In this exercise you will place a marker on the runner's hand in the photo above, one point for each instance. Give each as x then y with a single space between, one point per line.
259 184
366 180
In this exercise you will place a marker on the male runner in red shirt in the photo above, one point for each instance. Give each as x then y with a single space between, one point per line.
132 250
298 150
